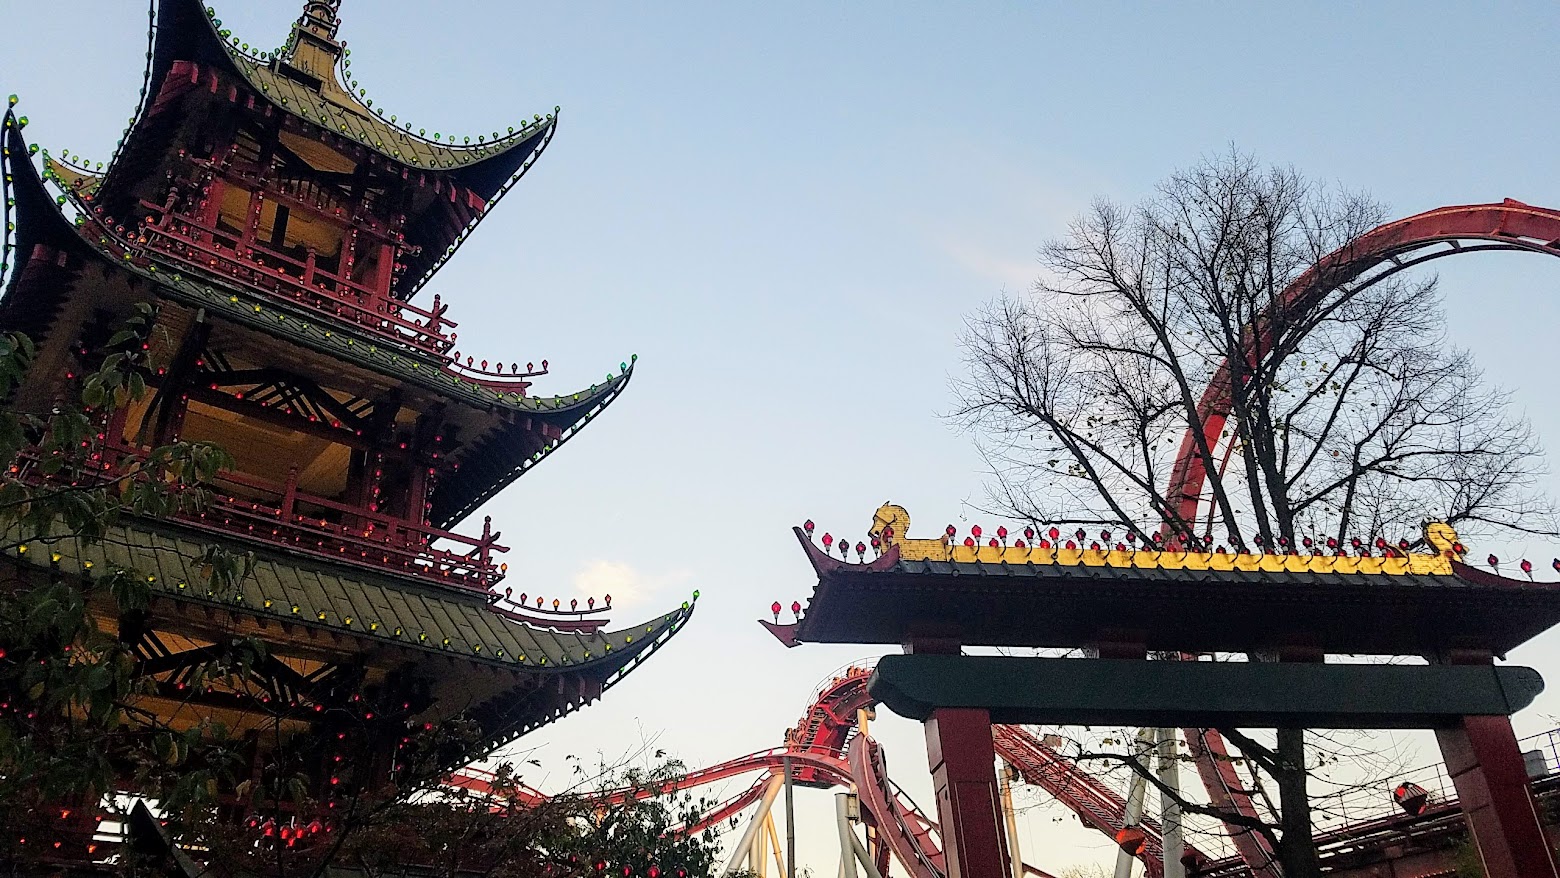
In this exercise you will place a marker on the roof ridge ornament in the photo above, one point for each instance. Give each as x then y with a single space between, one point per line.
891 524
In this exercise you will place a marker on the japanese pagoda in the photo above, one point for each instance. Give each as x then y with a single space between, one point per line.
279 227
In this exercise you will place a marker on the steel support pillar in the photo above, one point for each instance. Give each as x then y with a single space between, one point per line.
743 853
962 758
790 822
1485 764
1170 810
1006 774
1142 749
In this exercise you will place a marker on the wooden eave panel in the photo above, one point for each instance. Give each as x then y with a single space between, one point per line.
1170 694
1188 610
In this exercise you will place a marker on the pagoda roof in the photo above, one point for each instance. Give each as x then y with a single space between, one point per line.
383 612
294 83
491 461
303 83
1068 596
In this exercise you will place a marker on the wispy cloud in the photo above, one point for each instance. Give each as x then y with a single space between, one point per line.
1007 272
628 585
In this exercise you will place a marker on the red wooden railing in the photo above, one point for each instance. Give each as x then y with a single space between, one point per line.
307 524
186 240
329 528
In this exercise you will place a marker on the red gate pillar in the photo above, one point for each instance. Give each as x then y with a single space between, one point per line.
964 777
1486 767
959 748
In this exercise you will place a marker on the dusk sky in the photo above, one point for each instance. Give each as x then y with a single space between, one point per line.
786 210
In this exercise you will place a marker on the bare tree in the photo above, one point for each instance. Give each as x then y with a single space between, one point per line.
1350 416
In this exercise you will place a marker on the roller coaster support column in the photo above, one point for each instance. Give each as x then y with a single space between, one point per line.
1170 810
790 822
1485 763
1007 774
1143 748
749 849
852 851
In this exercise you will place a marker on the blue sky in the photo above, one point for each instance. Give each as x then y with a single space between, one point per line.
786 210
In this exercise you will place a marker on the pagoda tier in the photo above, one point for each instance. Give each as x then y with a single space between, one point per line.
1057 590
220 123
336 635
254 371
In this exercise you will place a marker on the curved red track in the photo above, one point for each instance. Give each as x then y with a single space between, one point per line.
1374 256
825 749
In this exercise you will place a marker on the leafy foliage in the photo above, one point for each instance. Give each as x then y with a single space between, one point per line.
70 730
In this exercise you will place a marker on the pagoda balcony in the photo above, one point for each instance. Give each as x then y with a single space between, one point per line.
304 524
309 285
182 240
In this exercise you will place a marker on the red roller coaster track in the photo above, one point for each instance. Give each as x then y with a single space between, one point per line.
825 749
1368 259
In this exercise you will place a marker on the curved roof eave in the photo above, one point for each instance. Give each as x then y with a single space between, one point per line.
655 635
498 472
37 218
40 220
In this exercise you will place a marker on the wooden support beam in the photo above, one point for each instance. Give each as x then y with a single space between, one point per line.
1201 694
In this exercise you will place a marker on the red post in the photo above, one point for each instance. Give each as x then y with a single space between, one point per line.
1485 763
208 217
290 494
384 270
961 754
963 759
487 539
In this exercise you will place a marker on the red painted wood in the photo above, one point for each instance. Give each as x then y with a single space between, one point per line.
1486 767
962 758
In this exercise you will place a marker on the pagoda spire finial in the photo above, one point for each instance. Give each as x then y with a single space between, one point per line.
319 18
313 48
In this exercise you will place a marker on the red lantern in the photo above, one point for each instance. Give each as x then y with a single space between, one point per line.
1412 798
